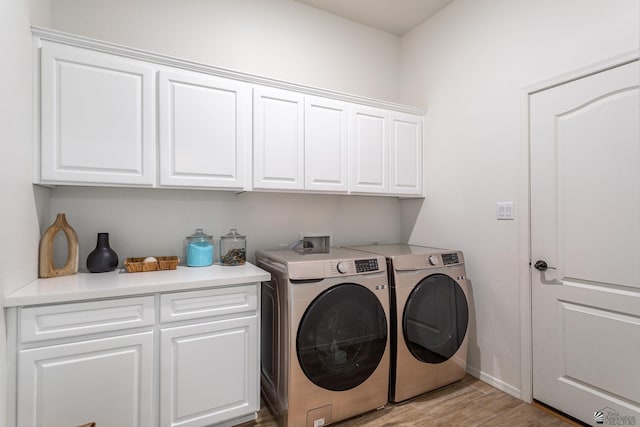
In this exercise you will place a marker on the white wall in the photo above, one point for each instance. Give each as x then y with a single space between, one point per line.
145 222
19 233
280 39
469 65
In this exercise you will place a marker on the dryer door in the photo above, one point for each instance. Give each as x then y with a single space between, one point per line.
342 337
435 319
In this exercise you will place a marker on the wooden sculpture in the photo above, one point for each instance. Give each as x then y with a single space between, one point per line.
47 268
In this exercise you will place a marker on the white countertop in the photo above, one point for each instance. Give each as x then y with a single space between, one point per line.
119 283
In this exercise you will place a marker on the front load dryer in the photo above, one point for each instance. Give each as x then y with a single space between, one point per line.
324 335
429 317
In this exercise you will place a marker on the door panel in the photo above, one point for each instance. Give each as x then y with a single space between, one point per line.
107 381
369 150
326 144
591 135
585 223
97 114
207 372
579 363
278 139
405 154
205 130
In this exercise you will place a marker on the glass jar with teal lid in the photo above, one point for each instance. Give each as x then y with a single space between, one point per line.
199 249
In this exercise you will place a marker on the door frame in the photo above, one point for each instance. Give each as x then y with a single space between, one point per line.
524 229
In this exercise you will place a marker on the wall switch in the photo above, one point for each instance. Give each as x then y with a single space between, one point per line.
505 210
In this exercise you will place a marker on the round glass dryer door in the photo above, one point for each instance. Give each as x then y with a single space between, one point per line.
342 337
435 319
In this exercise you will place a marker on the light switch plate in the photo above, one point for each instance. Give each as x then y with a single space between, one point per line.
505 210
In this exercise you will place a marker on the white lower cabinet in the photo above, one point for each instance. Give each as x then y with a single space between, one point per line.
186 358
207 372
107 381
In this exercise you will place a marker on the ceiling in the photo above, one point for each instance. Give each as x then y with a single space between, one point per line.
393 16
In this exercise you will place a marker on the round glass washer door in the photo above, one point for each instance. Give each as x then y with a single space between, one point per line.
342 337
435 319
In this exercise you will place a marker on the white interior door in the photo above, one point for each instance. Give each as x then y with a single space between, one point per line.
585 223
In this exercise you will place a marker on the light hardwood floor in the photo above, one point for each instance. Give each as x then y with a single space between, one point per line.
467 403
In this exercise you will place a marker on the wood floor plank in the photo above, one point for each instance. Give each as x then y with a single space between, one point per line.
524 415
466 403
393 415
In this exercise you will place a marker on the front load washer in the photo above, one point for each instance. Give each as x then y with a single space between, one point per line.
429 317
325 350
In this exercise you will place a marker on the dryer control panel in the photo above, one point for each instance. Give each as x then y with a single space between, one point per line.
448 259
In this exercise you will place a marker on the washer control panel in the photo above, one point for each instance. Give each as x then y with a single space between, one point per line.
352 266
342 267
366 265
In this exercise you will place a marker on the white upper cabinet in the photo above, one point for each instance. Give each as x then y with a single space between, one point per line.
386 152
278 139
405 154
369 150
102 118
97 117
204 130
326 147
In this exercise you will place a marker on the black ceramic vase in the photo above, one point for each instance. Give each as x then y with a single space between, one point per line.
102 258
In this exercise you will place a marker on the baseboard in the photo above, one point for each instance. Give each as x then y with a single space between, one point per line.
495 382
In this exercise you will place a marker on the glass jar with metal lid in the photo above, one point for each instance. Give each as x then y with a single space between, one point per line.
233 248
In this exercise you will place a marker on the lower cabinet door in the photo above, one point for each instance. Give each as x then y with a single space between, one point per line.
209 372
108 381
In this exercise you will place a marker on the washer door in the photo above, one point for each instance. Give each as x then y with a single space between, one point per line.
342 337
435 319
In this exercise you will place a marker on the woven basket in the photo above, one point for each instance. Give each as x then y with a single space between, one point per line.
137 265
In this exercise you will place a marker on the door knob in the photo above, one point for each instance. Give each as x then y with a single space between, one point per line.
542 266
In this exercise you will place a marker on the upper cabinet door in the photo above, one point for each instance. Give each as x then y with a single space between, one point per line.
205 130
405 158
326 144
97 117
278 157
369 150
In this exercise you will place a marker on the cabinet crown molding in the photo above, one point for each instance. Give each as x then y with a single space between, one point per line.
112 48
